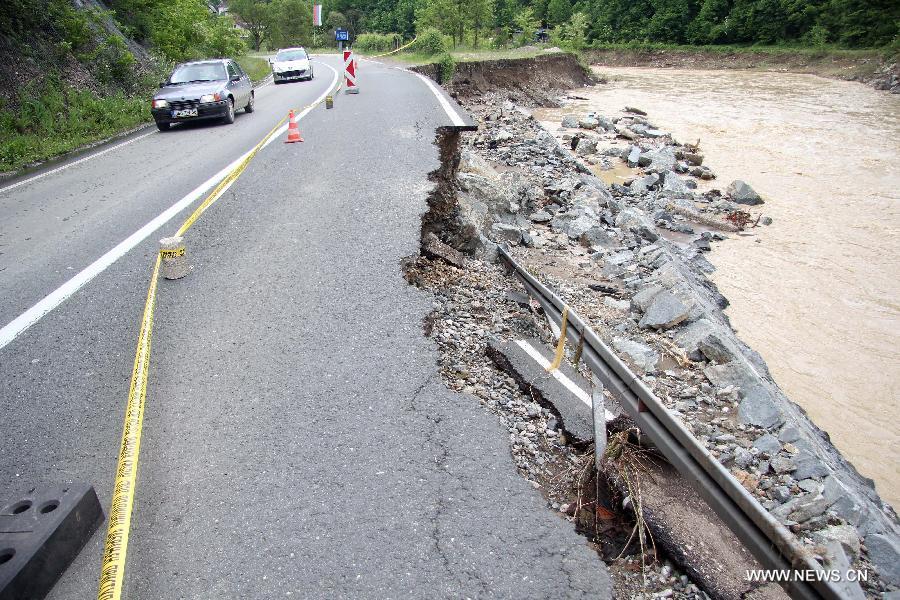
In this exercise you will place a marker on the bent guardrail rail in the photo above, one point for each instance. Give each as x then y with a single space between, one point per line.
770 542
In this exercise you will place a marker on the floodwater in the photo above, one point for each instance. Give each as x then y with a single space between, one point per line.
817 293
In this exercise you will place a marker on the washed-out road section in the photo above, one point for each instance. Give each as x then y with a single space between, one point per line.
298 440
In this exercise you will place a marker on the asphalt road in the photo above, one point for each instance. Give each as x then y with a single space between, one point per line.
298 441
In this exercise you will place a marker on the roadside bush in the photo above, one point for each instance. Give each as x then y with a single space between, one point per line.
446 67
430 42
377 42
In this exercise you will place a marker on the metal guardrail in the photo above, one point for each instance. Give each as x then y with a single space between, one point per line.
770 542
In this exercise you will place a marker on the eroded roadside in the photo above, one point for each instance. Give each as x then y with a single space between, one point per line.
630 260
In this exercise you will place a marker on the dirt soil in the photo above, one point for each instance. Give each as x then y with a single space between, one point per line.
527 81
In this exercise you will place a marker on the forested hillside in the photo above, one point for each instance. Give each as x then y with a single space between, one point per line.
852 23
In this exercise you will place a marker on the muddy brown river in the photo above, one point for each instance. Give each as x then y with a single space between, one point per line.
818 292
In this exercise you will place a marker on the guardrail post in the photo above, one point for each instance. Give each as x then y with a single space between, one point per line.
598 407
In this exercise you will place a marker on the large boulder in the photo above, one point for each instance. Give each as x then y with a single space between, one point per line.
660 159
637 222
742 193
884 552
665 311
570 121
586 146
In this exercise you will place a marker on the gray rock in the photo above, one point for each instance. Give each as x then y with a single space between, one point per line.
837 560
626 133
503 136
641 300
759 408
637 222
640 355
665 311
673 185
606 124
541 216
576 221
643 184
689 337
586 146
570 121
788 434
635 111
767 443
742 457
845 534
599 237
782 464
661 159
589 123
655 133
693 158
503 232
715 349
809 507
809 465
742 193
884 552
611 302
634 155
781 494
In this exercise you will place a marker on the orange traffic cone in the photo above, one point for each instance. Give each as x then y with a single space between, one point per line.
293 130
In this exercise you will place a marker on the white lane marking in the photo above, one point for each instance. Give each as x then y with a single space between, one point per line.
60 294
559 376
451 112
73 163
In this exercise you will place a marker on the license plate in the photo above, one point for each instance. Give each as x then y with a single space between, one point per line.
187 112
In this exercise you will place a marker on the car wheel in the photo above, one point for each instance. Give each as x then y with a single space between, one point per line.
311 74
163 126
229 116
249 107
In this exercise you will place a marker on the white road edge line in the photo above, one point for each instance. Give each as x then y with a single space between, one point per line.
451 112
559 376
34 314
455 118
73 163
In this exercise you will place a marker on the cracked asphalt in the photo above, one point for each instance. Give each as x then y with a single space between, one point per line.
298 441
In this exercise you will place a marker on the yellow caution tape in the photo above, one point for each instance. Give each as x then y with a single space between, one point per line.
395 50
561 345
112 574
172 253
112 571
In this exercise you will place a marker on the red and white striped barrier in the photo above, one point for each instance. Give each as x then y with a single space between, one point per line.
350 72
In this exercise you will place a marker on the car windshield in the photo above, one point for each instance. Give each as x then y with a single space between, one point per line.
199 72
285 55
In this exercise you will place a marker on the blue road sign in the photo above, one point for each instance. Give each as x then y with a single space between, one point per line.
341 35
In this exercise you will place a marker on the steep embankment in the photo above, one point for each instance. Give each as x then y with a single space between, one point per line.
879 69
530 80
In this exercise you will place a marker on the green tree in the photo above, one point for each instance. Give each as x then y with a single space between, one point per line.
558 12
479 16
256 17
527 23
291 23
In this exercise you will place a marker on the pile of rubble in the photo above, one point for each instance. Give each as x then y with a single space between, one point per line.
630 259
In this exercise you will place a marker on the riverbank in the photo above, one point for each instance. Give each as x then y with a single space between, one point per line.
879 68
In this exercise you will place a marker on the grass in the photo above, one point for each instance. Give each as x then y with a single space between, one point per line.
54 119
256 67
468 54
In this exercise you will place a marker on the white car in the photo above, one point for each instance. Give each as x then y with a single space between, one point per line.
291 64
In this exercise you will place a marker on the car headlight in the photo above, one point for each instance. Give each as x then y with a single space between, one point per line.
211 97
160 104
